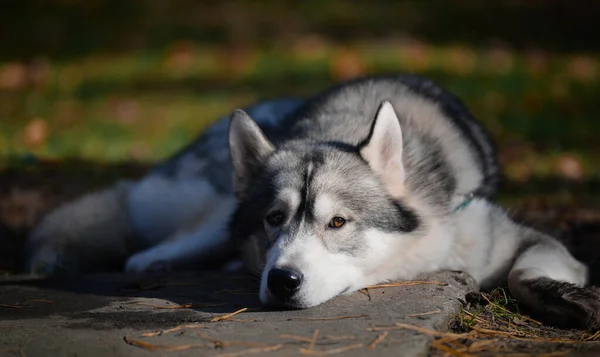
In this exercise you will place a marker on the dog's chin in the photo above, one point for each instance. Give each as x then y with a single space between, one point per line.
271 302
295 303
291 304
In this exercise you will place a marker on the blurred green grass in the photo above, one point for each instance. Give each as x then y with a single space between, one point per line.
144 105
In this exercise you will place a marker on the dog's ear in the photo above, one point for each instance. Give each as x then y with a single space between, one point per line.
248 147
382 149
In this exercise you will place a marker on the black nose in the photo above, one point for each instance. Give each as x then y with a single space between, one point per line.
283 283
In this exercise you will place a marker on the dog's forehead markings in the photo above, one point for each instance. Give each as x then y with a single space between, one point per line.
289 195
307 180
324 205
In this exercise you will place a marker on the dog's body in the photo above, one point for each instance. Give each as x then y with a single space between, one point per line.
326 200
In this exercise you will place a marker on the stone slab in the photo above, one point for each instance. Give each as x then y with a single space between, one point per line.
91 315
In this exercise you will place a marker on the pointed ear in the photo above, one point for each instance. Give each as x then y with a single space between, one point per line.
248 147
383 149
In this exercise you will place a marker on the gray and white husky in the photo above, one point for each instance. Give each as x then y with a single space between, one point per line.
374 180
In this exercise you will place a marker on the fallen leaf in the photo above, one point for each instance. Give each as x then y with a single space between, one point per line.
35 132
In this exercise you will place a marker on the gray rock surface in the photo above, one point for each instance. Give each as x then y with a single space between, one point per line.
91 315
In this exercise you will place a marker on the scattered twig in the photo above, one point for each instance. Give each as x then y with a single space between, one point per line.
245 344
158 333
501 333
481 345
365 292
328 318
475 317
331 351
449 350
313 341
377 340
220 343
593 337
425 313
401 326
41 300
252 351
255 309
11 306
225 317
406 283
450 339
153 347
470 336
340 337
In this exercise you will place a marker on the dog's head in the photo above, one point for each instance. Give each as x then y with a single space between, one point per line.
319 219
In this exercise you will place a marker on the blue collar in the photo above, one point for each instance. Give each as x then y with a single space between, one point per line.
467 199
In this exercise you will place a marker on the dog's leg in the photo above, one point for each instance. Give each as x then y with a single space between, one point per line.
551 283
207 242
542 275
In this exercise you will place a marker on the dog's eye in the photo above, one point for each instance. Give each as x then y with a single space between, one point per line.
336 222
275 218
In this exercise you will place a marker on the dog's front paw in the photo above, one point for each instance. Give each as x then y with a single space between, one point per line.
565 304
143 262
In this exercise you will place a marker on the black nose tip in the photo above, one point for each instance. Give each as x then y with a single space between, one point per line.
283 283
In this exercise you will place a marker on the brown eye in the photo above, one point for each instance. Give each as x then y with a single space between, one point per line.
337 222
275 218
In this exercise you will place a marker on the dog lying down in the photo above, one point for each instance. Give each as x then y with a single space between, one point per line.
374 180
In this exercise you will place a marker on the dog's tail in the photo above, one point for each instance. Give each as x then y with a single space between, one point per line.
90 233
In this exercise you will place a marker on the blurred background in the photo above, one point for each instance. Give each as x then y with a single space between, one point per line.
95 90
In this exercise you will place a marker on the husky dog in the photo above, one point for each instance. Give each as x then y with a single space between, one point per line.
374 180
